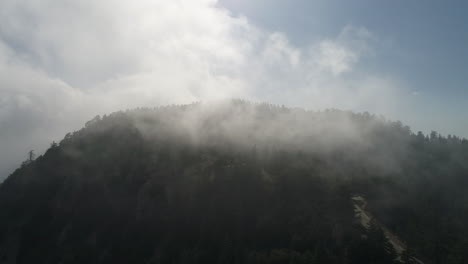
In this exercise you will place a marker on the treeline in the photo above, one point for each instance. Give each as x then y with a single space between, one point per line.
237 183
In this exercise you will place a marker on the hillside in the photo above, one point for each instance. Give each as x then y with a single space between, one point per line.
237 182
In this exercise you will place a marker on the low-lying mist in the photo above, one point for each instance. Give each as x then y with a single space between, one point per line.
238 125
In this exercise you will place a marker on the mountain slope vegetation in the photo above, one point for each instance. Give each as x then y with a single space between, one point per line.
237 182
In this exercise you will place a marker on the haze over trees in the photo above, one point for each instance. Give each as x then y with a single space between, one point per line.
237 182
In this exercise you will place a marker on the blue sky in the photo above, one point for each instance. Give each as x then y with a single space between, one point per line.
422 43
62 62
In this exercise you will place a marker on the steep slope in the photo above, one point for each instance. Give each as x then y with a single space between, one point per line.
367 220
235 182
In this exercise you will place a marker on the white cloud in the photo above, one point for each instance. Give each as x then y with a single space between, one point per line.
341 54
62 62
335 58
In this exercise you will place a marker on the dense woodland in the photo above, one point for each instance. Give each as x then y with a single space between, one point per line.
237 182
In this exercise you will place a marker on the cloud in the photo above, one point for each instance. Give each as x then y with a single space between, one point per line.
62 62
334 58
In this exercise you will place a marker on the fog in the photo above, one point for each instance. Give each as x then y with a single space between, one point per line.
237 126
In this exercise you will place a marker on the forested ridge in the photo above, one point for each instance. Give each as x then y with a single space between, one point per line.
237 182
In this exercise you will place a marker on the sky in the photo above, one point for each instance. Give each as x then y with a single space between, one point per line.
62 62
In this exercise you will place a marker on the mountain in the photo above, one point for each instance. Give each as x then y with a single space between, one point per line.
238 182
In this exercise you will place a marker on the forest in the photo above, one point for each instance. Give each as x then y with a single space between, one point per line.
238 182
